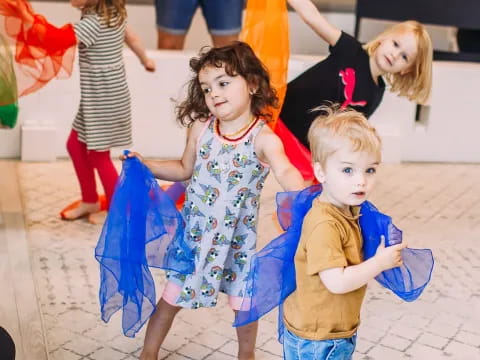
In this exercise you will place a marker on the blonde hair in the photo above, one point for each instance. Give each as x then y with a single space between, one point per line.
336 127
109 10
417 83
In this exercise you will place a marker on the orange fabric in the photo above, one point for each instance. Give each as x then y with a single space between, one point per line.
42 51
265 29
102 199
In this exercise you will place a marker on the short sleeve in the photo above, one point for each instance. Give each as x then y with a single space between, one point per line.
87 30
346 45
324 249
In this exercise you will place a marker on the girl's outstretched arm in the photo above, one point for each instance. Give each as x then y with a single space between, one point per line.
135 44
176 170
269 149
313 18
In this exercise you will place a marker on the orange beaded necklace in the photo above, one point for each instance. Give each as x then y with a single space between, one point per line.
244 130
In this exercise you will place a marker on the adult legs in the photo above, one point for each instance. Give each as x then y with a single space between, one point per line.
173 19
224 20
223 40
176 42
170 41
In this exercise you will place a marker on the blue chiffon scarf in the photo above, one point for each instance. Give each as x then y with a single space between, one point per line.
143 228
272 271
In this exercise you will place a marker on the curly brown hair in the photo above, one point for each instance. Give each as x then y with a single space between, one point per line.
238 58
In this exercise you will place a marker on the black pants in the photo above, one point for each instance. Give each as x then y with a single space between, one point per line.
7 346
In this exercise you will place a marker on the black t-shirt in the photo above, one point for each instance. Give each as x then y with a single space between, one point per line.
343 77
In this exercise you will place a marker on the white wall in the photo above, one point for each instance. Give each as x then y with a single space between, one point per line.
155 132
451 127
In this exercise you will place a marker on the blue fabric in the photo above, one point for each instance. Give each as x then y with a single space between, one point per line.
408 280
297 348
272 274
138 233
176 190
272 271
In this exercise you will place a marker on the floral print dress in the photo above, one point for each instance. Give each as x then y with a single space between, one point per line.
221 213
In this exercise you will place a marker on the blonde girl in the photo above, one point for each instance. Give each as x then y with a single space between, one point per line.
353 76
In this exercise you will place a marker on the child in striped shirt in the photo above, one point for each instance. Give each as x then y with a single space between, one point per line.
103 120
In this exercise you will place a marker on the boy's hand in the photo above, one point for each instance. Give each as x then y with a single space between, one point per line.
149 65
131 154
391 256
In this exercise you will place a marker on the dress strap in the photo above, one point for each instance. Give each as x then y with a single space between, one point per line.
205 127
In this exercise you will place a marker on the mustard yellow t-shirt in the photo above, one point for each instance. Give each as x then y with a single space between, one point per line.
329 239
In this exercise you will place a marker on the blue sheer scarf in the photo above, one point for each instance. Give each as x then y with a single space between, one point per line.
143 229
272 272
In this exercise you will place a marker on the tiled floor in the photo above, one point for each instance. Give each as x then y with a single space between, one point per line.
436 205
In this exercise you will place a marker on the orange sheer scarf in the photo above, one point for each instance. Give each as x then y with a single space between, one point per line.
42 51
265 29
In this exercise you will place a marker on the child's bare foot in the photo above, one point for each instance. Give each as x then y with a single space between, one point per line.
81 210
97 218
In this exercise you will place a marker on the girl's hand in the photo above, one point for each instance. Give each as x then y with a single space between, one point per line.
149 65
131 154
391 256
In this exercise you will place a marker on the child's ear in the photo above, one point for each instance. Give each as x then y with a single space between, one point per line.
319 172
252 86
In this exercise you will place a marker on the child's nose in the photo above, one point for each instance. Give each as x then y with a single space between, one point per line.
396 53
213 92
360 179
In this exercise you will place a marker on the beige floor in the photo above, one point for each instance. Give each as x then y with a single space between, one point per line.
436 205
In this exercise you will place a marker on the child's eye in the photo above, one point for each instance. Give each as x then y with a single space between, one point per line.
371 171
347 170
405 57
224 83
206 90
395 43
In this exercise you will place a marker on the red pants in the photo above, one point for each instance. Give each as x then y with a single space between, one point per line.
85 162
296 152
